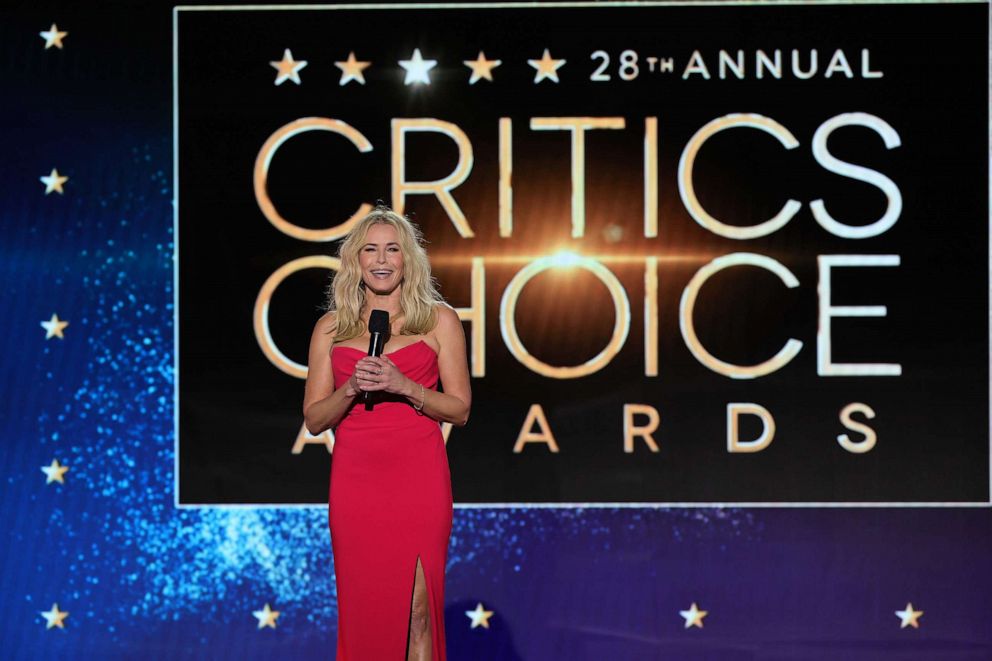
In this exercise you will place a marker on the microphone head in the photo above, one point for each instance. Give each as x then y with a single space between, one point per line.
379 322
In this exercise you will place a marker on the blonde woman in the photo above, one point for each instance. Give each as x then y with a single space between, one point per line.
390 488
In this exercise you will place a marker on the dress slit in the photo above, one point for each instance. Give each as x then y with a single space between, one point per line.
434 625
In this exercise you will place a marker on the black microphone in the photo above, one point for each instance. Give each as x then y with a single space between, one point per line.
378 334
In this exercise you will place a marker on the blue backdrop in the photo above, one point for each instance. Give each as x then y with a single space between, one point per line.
139 577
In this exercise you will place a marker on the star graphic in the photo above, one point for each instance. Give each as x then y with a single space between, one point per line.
54 617
547 67
351 69
909 617
417 68
481 68
480 616
266 617
288 68
53 182
53 37
693 616
54 471
54 327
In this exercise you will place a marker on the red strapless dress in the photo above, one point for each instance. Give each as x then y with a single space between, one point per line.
389 503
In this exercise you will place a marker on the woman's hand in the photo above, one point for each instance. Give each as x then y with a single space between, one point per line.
379 374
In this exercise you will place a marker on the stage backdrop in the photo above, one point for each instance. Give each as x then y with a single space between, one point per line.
703 255
723 271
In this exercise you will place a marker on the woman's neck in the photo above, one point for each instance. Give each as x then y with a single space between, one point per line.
389 302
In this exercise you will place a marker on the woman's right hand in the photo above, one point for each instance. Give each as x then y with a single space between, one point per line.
362 376
352 388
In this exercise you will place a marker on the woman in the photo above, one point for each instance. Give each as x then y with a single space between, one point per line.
390 494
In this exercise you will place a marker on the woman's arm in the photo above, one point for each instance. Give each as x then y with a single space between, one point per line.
452 405
323 406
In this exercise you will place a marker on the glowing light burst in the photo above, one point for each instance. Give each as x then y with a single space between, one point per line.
565 258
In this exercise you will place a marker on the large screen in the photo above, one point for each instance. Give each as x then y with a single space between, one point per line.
702 254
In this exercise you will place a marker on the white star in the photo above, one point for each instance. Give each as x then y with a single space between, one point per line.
547 67
417 68
52 37
289 69
53 182
266 617
54 471
693 616
480 616
351 69
54 327
54 617
909 617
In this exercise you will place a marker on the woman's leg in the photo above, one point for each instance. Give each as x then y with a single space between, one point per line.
419 640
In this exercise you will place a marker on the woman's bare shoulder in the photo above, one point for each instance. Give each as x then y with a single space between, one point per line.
449 325
326 326
447 316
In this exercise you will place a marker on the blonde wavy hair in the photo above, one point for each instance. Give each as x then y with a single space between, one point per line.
419 295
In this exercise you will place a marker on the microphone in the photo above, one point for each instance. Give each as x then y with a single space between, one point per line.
378 332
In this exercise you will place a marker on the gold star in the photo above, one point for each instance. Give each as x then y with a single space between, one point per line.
288 68
53 182
54 471
417 68
481 68
693 616
909 617
53 37
54 327
351 69
547 67
266 617
480 616
54 617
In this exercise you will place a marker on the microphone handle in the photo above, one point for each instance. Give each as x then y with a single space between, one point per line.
375 349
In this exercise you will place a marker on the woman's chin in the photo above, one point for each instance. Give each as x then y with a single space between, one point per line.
381 288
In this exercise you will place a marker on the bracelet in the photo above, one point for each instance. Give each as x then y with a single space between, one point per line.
423 400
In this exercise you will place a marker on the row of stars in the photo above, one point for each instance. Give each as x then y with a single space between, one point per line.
480 617
266 617
53 328
417 68
908 617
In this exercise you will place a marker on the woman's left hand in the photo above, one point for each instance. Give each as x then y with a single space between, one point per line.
381 373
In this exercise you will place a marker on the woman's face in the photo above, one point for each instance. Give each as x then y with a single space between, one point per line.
381 259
